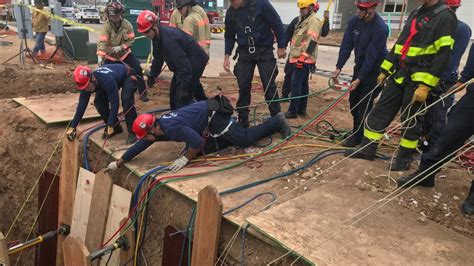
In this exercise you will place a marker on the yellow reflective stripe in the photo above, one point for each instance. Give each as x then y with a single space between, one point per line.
372 135
431 49
426 78
410 144
387 65
399 80
444 41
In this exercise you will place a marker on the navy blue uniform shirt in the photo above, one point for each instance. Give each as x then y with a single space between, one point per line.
462 36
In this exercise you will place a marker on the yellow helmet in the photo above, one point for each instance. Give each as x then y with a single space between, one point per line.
306 3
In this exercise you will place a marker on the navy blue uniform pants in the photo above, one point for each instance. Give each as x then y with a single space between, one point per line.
133 62
195 90
286 89
299 87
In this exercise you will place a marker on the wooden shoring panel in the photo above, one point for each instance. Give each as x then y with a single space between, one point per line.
75 252
67 189
4 260
208 227
82 204
118 211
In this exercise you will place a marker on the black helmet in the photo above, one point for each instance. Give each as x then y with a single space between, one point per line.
182 3
114 8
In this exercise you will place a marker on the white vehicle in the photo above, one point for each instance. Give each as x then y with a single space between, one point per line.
88 14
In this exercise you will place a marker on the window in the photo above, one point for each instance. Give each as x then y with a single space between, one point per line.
392 6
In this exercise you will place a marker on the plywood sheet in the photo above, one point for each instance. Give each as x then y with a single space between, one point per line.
312 226
57 108
82 203
75 252
118 210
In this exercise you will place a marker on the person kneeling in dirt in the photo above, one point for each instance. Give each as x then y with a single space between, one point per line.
106 82
190 123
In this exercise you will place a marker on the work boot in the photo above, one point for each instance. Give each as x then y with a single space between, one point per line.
403 160
468 205
351 141
290 115
366 152
302 113
285 128
244 122
144 98
131 138
428 178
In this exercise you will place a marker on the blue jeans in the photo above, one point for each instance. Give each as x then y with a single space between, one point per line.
299 87
39 45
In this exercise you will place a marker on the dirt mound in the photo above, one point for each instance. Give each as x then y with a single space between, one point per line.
27 82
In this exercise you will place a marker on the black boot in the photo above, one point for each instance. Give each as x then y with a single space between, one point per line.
351 141
131 138
428 177
365 151
144 98
290 115
285 128
244 122
468 205
403 160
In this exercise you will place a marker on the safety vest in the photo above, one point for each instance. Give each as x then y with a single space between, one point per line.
110 37
305 31
196 24
176 21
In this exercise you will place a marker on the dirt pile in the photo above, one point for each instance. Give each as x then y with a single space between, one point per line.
26 82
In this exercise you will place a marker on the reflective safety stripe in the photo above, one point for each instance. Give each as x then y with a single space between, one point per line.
204 42
429 50
188 32
203 22
410 144
387 65
103 38
426 78
372 135
399 80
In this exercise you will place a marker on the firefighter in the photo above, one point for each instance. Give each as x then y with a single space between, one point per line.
176 20
115 42
303 53
183 55
106 82
195 22
189 123
414 67
435 119
459 129
286 88
253 25
366 35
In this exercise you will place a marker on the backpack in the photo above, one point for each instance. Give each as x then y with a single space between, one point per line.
220 104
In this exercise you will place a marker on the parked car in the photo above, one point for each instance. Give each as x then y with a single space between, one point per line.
88 14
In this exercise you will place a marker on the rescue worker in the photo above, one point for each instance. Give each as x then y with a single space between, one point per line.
459 129
115 43
189 124
253 25
366 35
435 118
414 67
40 26
195 22
183 55
303 53
286 88
106 82
176 20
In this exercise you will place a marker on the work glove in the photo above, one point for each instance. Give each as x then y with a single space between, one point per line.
108 132
112 166
421 93
182 94
381 78
178 164
300 62
116 49
100 60
150 81
71 133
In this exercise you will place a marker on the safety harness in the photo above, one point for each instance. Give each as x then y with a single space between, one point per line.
247 30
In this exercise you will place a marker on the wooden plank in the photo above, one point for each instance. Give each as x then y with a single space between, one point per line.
82 203
62 111
127 254
118 211
75 252
67 189
48 189
4 260
208 226
99 209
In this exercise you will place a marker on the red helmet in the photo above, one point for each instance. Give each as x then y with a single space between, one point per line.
82 77
114 8
452 3
142 124
145 21
366 3
316 7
